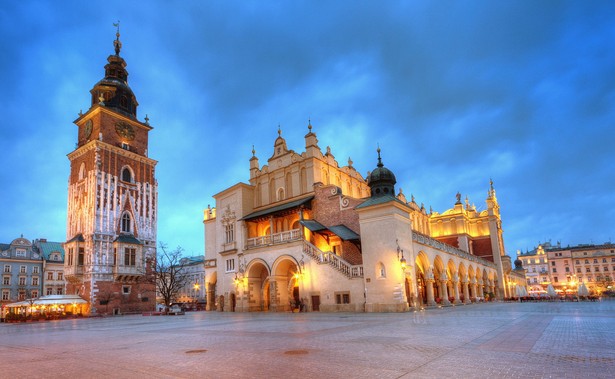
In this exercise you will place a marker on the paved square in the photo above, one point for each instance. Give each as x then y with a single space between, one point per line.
497 340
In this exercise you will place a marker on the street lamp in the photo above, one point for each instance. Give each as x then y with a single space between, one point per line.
400 256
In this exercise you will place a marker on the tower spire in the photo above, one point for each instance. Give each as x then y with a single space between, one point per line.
379 159
117 43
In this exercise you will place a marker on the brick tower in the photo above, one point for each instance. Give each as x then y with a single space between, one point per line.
112 200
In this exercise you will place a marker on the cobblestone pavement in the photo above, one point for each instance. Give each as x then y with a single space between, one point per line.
496 340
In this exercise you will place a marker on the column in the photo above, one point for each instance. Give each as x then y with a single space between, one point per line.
481 292
473 284
455 281
466 291
444 289
429 288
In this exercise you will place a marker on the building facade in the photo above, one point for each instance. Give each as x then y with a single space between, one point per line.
52 255
193 291
22 271
568 267
308 234
112 200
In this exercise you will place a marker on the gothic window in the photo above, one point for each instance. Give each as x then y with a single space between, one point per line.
82 171
126 223
126 175
381 270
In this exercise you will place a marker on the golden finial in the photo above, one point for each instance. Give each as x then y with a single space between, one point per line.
117 44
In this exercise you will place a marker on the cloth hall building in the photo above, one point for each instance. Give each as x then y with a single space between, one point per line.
307 234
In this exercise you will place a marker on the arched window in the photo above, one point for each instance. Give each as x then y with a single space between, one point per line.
381 272
82 171
126 175
280 194
126 223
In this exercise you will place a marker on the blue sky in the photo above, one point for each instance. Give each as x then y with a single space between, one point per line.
454 92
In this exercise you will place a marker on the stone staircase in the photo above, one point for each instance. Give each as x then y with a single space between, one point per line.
329 258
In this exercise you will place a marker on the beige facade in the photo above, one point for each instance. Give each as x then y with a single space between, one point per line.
308 234
566 268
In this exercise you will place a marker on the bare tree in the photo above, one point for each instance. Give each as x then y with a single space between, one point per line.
171 276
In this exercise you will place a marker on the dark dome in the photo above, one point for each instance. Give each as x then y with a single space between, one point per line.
113 90
518 264
381 181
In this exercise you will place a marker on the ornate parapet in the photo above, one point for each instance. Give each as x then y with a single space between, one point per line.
428 241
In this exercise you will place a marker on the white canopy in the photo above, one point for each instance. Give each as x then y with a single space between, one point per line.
49 300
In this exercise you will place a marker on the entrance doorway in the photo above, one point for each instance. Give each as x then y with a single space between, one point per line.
315 303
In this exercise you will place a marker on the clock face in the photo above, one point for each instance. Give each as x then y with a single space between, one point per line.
88 128
125 130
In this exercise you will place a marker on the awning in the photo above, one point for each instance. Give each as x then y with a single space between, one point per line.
342 231
278 208
49 300
313 226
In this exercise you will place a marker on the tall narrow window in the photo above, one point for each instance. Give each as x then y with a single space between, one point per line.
80 258
126 227
229 232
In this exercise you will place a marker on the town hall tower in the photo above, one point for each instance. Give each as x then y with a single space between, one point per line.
112 200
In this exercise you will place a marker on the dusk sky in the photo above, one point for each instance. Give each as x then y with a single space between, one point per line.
454 92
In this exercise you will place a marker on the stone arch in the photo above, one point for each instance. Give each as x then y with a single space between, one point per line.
257 274
211 282
422 265
439 271
287 277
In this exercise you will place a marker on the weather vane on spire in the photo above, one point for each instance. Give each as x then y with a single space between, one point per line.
117 43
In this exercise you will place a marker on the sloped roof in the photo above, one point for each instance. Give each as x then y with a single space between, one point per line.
47 248
127 238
